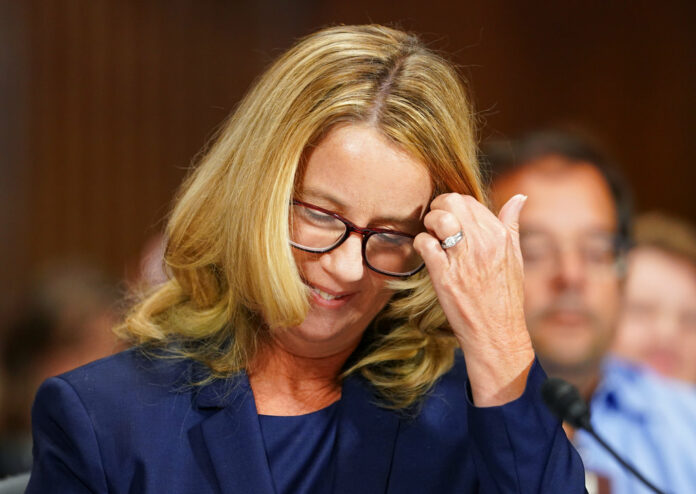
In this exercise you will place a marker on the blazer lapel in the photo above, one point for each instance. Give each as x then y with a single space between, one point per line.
364 450
233 438
366 438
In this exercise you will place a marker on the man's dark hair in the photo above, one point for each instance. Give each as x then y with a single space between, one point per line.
504 156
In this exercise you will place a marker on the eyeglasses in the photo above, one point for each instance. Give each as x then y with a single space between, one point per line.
317 230
598 252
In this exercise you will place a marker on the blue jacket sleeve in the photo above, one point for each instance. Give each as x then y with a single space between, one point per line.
66 452
522 448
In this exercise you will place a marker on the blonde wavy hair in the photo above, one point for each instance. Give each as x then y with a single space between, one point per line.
233 278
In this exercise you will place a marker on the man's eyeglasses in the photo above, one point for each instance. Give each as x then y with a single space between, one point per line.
389 252
598 252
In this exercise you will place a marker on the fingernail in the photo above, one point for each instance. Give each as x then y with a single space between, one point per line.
521 199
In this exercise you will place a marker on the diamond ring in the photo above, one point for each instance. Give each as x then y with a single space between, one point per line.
452 240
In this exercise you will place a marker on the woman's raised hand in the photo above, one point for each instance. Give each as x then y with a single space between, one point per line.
479 283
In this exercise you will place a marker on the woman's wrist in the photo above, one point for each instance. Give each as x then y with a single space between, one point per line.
498 376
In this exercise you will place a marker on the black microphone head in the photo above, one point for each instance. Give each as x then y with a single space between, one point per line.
565 402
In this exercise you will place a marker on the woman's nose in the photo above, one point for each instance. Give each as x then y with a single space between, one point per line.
346 261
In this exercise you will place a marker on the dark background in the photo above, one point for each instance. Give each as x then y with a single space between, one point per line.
104 104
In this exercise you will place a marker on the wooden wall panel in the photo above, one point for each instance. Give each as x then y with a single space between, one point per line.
13 176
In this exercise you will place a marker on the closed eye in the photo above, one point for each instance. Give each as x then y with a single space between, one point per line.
314 217
392 239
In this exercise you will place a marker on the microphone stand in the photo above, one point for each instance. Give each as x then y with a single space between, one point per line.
623 462
564 401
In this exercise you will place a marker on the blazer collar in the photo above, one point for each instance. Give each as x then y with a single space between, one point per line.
364 450
233 437
366 439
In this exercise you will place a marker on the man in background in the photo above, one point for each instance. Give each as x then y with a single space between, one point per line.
658 320
574 232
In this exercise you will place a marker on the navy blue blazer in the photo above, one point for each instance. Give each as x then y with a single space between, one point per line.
131 424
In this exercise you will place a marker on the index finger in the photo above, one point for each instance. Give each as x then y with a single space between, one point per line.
464 206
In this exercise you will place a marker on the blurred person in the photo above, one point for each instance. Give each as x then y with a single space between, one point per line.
65 321
343 314
658 320
151 272
574 232
148 271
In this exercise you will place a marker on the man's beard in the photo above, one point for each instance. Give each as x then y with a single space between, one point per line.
567 310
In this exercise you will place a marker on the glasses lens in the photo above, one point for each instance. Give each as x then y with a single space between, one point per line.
314 230
392 253
599 250
544 255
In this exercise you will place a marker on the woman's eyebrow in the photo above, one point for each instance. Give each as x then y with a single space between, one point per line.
325 197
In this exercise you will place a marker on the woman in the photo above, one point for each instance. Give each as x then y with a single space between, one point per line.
327 257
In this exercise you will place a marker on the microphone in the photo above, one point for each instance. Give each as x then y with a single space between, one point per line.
565 402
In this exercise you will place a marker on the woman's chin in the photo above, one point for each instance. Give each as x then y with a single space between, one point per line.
310 342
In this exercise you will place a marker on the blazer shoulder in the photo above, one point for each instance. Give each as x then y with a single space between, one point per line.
131 375
105 424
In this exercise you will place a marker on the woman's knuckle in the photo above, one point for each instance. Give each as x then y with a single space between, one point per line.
444 221
452 199
502 235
